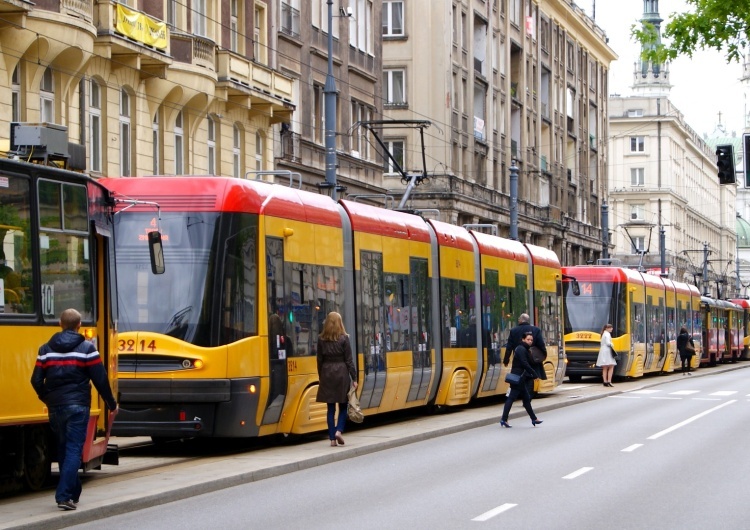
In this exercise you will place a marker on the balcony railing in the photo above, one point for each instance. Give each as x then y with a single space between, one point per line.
290 146
261 79
80 8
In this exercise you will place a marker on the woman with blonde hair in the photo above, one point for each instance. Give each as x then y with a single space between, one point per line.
336 374
606 359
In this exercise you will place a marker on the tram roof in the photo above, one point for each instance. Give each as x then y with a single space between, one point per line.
390 223
499 247
449 235
598 273
225 194
742 302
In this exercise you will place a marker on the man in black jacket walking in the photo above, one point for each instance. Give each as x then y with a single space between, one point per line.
65 368
515 339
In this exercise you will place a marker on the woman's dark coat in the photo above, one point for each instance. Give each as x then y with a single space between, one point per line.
682 341
522 363
335 370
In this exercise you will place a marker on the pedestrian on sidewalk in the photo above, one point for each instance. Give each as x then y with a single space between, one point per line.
65 368
514 340
686 348
606 359
522 366
336 374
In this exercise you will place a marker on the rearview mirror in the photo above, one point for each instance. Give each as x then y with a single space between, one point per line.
156 252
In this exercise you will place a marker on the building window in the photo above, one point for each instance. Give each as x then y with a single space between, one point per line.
15 97
259 35
95 126
515 12
393 19
360 146
637 212
172 13
259 150
290 17
47 97
179 148
394 87
639 244
635 113
125 155
199 17
637 144
360 25
156 143
211 146
318 114
637 176
396 149
233 25
236 152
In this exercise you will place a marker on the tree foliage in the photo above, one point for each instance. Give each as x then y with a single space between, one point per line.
720 25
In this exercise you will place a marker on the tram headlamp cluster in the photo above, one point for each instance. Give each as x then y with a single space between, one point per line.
192 363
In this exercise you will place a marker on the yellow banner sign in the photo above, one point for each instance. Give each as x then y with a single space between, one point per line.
138 26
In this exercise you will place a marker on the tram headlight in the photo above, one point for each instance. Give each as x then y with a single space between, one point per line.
198 364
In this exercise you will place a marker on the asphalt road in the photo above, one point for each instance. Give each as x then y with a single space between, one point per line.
671 455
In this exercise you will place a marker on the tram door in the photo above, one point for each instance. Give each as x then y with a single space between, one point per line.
279 342
419 304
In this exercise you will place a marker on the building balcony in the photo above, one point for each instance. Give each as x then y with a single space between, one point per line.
289 20
248 84
133 38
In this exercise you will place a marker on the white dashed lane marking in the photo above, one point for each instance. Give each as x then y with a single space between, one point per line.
631 448
724 393
684 392
576 474
494 511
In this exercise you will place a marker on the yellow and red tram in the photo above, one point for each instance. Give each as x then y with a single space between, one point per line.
57 252
223 344
646 312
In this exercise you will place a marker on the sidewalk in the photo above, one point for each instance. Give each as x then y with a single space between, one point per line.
120 489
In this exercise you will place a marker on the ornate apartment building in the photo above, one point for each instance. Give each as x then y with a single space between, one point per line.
147 86
501 81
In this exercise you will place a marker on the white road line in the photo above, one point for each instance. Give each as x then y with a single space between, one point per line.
578 473
574 387
689 420
645 391
684 392
494 511
706 399
723 393
631 448
665 397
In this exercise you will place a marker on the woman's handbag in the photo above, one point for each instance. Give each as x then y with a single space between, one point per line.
537 355
353 410
689 349
512 379
614 353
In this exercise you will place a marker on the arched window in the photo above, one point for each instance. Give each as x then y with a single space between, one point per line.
259 149
15 83
179 149
125 140
211 145
47 97
236 152
95 126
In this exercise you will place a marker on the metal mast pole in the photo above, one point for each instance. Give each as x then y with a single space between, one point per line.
330 114
513 200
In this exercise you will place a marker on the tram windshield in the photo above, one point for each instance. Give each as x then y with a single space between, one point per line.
597 304
173 303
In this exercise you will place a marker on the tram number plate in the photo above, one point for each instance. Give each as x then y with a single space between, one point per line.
48 299
131 345
291 365
584 335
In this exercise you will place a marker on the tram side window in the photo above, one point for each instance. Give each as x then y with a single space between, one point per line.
328 296
546 306
65 257
372 311
397 311
458 313
638 322
240 284
492 315
420 302
16 279
306 315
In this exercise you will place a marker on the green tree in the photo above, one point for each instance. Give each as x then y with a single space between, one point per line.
719 25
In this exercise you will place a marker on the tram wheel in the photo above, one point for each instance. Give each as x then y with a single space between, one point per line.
37 461
574 378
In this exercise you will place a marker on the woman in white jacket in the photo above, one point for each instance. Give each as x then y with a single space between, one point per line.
606 360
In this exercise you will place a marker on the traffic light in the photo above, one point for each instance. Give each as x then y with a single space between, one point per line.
725 162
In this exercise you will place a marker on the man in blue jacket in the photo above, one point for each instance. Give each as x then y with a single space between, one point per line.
65 368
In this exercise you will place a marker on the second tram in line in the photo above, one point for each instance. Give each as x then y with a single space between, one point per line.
647 313
223 344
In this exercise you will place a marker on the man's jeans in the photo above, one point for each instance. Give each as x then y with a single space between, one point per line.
69 423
